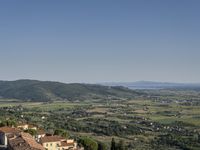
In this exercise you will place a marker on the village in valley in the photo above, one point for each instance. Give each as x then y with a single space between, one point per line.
16 138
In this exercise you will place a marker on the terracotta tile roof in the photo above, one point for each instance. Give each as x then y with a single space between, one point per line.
11 135
9 130
47 139
17 144
64 143
24 142
31 141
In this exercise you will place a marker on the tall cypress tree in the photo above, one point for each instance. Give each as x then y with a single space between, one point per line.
113 144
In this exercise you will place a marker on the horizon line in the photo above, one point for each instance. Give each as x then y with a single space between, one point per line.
105 82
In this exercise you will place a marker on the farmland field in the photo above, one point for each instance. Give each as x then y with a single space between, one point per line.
142 122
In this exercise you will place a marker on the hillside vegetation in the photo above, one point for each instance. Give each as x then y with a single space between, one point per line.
34 90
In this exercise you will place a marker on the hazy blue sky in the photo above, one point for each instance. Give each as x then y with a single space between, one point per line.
100 40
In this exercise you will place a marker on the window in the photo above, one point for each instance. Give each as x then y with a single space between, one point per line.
46 145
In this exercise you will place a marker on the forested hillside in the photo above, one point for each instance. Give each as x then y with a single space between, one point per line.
34 90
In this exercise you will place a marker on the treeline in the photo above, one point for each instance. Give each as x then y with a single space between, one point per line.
174 140
91 144
9 123
94 125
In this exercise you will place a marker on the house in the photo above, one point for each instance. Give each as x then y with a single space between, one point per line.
40 134
22 126
31 126
68 144
51 142
24 141
58 143
7 132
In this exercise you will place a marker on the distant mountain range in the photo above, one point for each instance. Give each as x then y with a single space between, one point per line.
152 85
34 90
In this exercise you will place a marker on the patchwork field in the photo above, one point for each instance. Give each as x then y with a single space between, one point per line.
143 122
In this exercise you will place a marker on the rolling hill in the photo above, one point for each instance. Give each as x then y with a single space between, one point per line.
34 90
154 85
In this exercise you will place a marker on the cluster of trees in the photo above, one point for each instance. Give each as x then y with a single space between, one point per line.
117 146
61 132
88 143
9 123
170 140
91 144
101 127
32 132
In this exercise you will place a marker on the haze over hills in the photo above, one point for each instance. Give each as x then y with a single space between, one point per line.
152 85
35 90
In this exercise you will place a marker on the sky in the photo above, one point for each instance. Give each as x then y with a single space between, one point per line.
100 40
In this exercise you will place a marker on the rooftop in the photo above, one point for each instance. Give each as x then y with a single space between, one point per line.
47 139
64 143
9 130
24 142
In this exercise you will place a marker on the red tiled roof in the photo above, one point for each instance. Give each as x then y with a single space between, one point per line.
9 130
64 143
24 142
31 141
47 139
